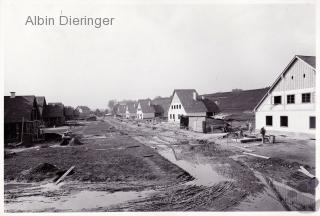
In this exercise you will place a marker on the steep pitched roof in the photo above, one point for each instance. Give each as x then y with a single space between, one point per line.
41 101
17 108
68 111
145 107
122 109
54 110
162 105
237 101
211 105
132 107
310 60
189 104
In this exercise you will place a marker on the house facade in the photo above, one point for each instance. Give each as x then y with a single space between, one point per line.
145 110
289 105
131 110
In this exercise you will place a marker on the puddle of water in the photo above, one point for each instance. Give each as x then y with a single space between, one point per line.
77 202
204 173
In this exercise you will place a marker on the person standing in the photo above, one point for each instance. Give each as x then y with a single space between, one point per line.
263 133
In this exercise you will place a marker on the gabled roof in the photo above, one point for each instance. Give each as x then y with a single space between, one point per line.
189 104
68 111
237 101
309 60
145 107
54 110
41 101
17 108
161 105
132 107
211 105
122 108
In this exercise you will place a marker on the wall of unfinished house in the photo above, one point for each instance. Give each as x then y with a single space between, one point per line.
196 124
299 79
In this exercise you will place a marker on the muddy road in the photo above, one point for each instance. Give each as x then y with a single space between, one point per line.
129 166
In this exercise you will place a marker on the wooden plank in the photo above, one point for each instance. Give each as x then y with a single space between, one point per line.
256 155
244 149
65 174
306 172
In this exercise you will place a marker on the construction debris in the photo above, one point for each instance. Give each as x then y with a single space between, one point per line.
306 172
256 155
65 174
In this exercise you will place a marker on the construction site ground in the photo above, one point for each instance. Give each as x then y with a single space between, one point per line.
126 165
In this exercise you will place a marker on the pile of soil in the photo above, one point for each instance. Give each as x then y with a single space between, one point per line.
8 154
41 172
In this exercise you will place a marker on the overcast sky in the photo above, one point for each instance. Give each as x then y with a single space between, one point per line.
152 49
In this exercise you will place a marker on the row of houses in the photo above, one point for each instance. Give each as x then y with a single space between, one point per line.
25 115
287 106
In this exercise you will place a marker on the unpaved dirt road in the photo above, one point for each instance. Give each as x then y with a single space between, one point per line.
129 166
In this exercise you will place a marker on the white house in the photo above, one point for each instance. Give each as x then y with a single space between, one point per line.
145 110
289 105
131 110
187 103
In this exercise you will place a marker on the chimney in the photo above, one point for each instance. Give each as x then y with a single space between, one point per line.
12 94
194 95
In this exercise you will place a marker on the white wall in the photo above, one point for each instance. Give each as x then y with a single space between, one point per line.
175 112
298 113
298 121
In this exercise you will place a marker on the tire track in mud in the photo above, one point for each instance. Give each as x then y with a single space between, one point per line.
218 197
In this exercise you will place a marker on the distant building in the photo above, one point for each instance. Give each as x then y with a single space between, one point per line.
83 112
161 106
289 105
121 110
42 106
145 110
54 115
69 113
131 110
21 118
194 109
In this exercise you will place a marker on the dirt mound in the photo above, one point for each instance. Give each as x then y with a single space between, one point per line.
41 172
8 154
75 141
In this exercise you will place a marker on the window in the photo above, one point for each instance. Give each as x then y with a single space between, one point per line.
171 106
179 116
179 106
304 75
290 99
170 116
306 98
284 121
292 77
173 116
277 100
269 120
312 122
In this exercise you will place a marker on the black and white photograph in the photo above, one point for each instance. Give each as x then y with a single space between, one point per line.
159 106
